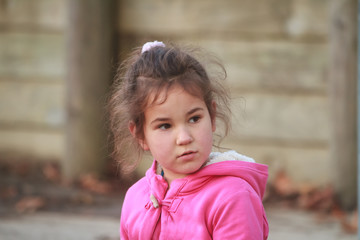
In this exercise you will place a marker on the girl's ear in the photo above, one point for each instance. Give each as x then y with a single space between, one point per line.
213 117
142 142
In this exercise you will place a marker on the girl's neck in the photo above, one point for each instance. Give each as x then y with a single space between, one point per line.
169 178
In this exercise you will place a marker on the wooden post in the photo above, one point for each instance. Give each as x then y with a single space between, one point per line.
343 76
89 53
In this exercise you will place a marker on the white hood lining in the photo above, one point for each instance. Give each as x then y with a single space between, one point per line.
216 157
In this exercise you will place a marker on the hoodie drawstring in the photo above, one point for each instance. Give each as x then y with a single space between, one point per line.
154 201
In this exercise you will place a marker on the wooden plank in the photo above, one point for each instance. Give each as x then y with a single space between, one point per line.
343 80
29 55
36 145
273 65
276 17
308 18
303 165
89 50
281 118
34 14
281 66
32 105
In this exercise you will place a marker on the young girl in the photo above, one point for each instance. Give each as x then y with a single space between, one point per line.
165 102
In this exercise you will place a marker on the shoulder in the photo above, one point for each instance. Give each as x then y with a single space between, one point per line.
223 191
230 185
138 191
138 187
239 210
230 193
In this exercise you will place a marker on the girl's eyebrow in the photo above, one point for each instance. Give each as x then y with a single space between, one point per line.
159 120
195 110
165 119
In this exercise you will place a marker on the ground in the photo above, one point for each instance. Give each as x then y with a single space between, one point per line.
36 204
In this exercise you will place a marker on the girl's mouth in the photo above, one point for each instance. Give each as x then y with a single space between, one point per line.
188 155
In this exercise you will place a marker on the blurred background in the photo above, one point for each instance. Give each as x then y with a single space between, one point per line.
291 68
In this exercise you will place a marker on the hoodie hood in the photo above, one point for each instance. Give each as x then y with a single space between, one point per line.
237 165
219 164
222 200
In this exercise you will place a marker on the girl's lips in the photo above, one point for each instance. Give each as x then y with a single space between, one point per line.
189 155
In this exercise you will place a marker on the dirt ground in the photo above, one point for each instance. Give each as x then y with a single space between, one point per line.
43 225
36 204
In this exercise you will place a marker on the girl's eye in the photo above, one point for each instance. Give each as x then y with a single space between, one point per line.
164 126
194 119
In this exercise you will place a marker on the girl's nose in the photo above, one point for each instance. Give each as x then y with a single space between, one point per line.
184 137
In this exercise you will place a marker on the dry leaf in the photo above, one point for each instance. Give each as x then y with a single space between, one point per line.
318 199
337 212
283 185
30 204
92 183
309 197
51 172
84 198
22 168
350 225
8 192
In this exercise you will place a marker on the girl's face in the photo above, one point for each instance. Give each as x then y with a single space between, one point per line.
178 132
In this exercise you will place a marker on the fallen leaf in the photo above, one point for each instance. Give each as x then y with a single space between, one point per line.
22 168
92 183
318 199
8 192
283 185
51 172
84 198
350 225
29 204
337 212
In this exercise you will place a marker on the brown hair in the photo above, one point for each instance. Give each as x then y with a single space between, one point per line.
151 72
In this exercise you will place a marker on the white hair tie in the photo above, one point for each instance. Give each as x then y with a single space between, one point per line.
147 46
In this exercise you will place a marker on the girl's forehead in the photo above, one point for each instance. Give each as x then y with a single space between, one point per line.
175 103
160 96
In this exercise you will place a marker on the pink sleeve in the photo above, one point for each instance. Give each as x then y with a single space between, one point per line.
123 225
241 216
123 232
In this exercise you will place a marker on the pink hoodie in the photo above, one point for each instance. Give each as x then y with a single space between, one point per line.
223 200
